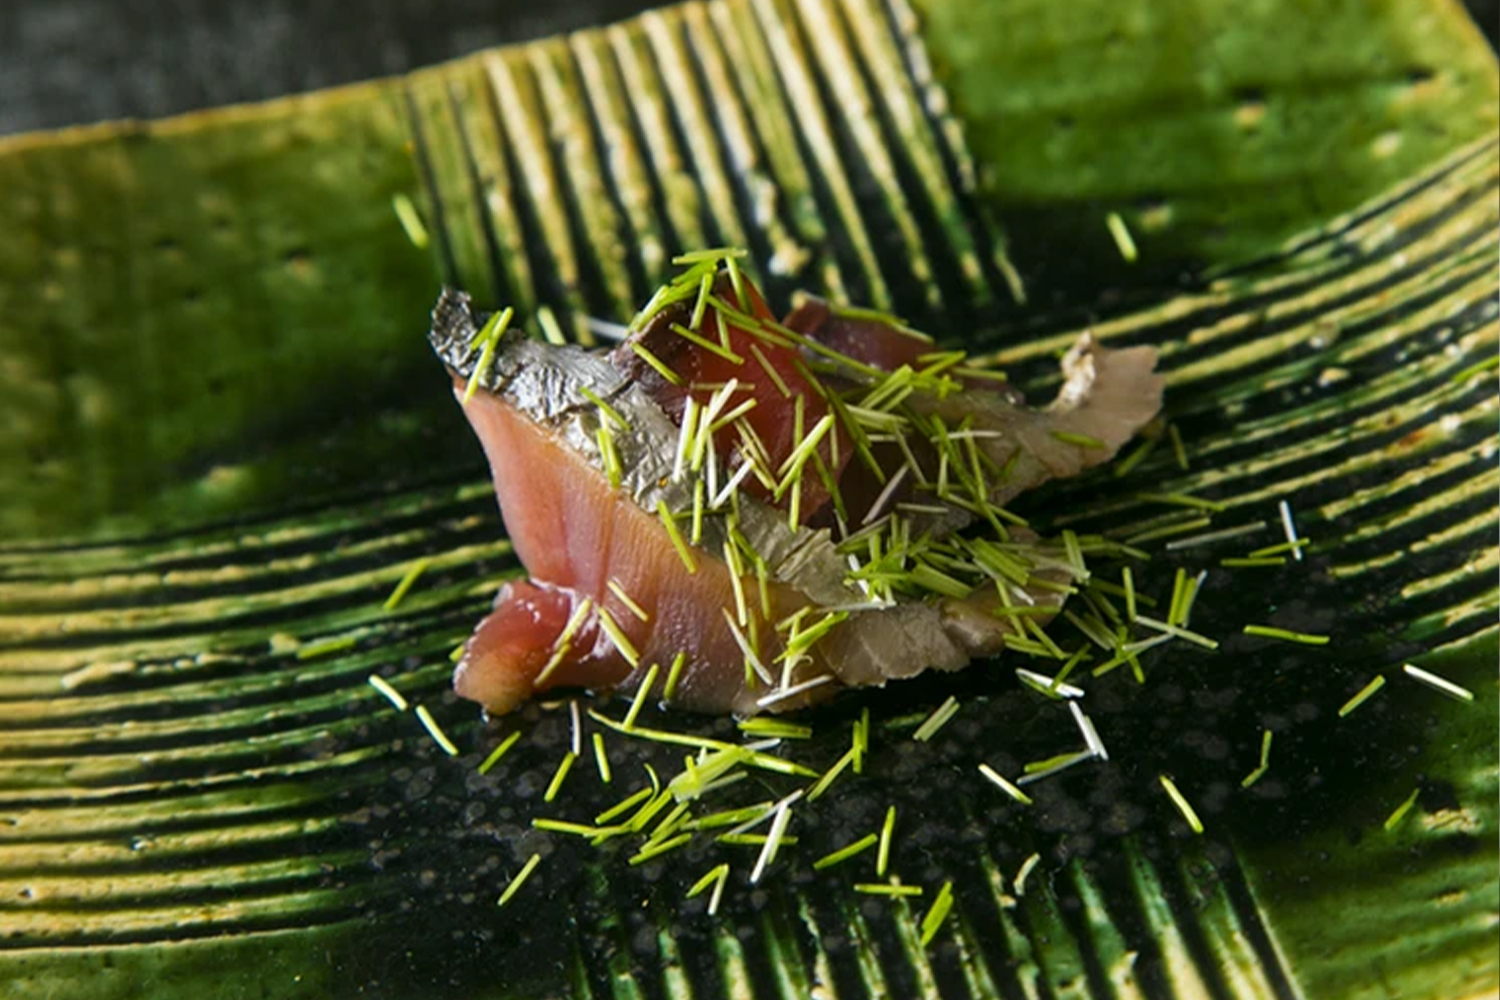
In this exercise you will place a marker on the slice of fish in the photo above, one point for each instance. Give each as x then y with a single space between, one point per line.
583 540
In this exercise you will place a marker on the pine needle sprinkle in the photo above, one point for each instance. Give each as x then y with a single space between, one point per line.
674 674
489 337
564 641
1405 807
552 331
883 853
393 696
1209 537
1027 867
845 853
641 694
1037 770
939 718
1278 549
325 646
933 921
1168 530
678 542
1269 632
1265 761
1182 804
1049 686
773 842
1088 732
1182 500
887 889
656 363
624 805
435 731
716 877
831 775
411 220
1005 786
559 776
1177 632
498 752
1290 527
1120 233
1363 695
1177 447
520 879
407 581
625 599
1440 684
1078 440
777 729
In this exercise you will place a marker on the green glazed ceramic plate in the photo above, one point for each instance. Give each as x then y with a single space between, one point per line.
224 443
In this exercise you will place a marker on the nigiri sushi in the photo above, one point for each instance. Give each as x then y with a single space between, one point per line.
767 512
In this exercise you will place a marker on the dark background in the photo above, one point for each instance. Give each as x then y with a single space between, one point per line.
65 62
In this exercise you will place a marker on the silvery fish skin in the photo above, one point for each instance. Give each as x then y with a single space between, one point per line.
536 390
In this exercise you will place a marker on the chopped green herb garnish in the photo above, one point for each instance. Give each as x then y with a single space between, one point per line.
1269 632
1234 562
